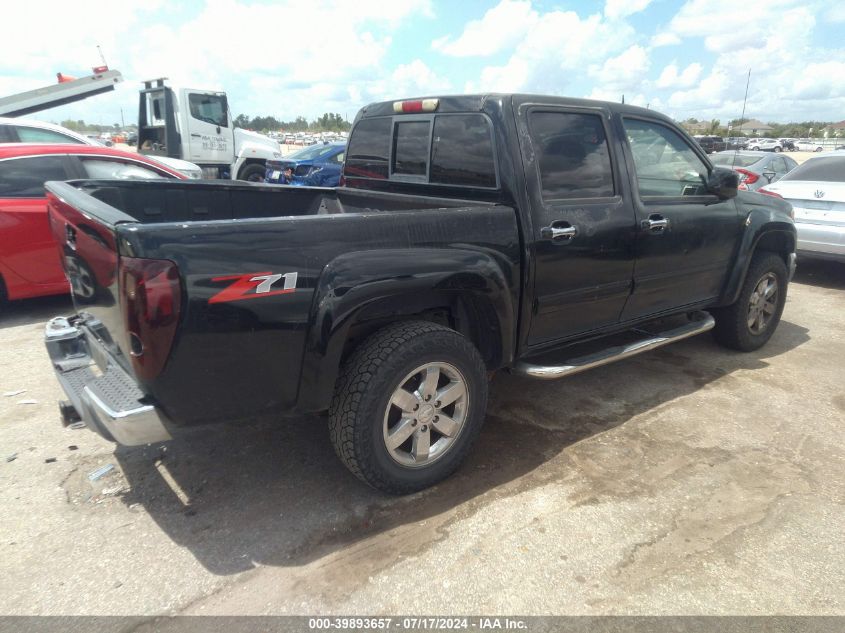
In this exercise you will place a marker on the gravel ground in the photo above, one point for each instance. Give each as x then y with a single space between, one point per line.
689 480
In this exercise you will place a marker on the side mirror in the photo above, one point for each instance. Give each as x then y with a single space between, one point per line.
723 183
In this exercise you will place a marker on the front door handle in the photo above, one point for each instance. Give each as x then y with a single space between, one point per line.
558 233
655 223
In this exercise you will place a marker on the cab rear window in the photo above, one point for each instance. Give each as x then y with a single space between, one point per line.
442 149
369 149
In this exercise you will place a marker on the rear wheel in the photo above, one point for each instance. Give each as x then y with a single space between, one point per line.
749 323
408 405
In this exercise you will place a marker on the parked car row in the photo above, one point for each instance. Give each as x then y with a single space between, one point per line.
304 139
712 144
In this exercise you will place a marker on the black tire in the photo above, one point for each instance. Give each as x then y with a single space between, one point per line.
777 150
252 173
732 327
366 384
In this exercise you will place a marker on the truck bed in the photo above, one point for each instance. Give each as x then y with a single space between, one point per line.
351 252
148 202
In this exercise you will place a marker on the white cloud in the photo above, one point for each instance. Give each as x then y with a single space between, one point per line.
267 56
697 18
664 39
671 78
614 9
836 13
499 28
625 71
545 62
637 99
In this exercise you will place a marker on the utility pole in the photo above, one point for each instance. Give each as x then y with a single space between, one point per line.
122 124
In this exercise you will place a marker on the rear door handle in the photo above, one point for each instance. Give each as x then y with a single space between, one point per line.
655 223
559 233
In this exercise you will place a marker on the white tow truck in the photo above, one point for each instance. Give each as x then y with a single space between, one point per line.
197 125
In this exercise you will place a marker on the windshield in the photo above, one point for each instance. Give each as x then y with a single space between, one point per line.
312 152
823 169
728 160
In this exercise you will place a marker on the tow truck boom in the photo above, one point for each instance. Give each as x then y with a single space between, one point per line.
59 94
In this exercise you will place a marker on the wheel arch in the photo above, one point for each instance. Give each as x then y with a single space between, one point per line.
461 289
778 237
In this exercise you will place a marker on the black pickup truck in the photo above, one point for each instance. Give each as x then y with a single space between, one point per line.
542 235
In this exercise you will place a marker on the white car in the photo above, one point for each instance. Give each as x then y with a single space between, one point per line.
808 145
770 145
754 144
816 190
14 130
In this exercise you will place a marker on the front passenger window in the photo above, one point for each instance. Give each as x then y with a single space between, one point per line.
666 165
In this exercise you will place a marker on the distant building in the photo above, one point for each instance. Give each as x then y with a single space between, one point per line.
752 127
835 130
696 128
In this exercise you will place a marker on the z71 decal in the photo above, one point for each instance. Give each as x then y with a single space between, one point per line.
253 286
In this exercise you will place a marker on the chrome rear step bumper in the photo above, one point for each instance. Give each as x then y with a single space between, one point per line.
106 398
699 322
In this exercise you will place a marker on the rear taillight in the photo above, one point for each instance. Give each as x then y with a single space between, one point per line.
748 177
150 299
766 192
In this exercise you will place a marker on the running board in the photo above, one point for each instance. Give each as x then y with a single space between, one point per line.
699 322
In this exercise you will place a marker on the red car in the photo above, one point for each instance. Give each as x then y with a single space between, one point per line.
30 264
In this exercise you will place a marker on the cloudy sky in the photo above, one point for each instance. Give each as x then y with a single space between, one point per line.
285 58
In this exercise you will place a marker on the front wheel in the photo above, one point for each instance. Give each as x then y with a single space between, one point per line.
252 173
751 321
408 405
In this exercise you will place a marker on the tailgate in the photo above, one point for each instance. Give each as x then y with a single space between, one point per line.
84 229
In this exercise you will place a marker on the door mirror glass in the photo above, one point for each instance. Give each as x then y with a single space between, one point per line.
723 183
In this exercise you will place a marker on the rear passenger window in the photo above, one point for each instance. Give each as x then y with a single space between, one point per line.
38 135
457 150
410 148
369 147
573 157
25 177
462 151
